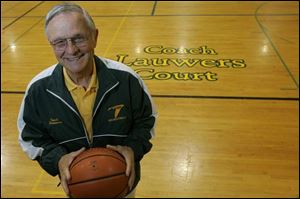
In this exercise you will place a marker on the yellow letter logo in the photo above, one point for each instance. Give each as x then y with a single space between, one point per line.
117 110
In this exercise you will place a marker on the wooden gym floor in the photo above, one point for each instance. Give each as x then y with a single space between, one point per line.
224 77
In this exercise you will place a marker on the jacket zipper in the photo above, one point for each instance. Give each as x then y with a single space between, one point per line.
107 91
66 103
84 127
103 98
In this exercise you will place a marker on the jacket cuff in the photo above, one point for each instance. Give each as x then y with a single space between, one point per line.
139 149
51 164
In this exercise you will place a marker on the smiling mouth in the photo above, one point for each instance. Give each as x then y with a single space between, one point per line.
74 58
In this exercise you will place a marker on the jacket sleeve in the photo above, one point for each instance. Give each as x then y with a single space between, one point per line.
144 117
35 140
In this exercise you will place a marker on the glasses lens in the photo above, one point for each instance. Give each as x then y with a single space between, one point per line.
79 41
61 45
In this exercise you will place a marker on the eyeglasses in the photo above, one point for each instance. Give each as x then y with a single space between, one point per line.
61 44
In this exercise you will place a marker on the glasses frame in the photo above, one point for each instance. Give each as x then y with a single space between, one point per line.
61 44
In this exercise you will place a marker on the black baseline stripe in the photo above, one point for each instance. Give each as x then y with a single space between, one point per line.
12 92
226 97
198 97
177 15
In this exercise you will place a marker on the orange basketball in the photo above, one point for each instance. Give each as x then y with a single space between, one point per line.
98 172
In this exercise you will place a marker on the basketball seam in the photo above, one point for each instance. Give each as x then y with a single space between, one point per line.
95 155
118 195
99 178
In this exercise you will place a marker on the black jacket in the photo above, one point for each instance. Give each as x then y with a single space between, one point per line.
50 124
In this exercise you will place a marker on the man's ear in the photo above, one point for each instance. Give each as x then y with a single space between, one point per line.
96 37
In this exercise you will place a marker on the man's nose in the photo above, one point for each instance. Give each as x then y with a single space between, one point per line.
71 48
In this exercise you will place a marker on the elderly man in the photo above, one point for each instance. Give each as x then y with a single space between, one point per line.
84 101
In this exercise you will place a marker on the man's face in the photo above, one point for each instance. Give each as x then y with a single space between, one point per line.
78 52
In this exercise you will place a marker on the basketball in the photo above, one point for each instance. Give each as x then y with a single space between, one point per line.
98 172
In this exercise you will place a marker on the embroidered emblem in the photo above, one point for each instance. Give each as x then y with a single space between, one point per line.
117 110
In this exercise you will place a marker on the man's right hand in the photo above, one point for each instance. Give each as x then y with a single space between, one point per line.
63 165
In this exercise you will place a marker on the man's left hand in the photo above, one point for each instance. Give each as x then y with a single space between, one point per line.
128 154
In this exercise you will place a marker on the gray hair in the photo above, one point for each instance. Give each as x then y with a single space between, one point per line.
70 7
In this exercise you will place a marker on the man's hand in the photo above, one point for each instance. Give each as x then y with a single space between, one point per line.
128 154
63 165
